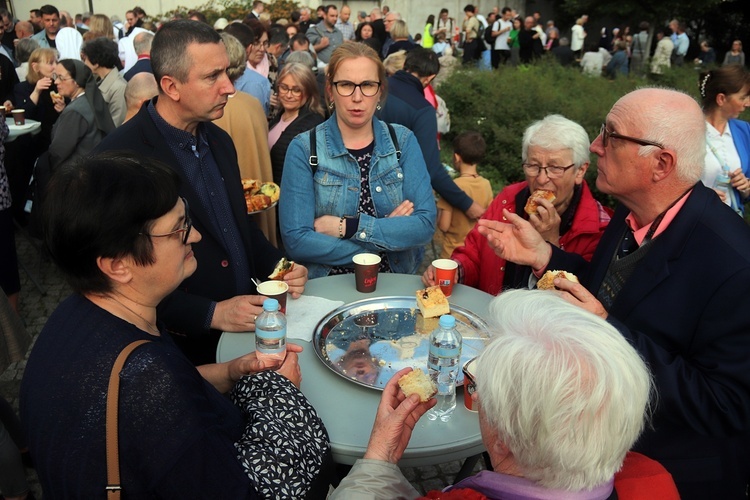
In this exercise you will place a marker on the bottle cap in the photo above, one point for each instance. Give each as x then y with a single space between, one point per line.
447 321
270 305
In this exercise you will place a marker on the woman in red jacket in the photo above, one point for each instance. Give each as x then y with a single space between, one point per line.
555 154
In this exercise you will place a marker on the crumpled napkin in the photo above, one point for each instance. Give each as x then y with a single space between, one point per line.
304 313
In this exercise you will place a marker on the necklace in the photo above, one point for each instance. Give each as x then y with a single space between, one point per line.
469 175
151 326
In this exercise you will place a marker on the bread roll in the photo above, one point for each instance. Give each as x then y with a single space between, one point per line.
417 382
532 204
546 282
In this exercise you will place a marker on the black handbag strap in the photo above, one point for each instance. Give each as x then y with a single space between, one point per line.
313 160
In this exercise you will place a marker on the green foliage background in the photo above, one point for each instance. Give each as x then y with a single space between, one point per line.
501 104
233 9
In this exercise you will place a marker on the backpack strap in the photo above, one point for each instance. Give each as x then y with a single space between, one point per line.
392 131
313 159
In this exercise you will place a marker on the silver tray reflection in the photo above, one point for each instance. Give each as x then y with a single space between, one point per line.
368 341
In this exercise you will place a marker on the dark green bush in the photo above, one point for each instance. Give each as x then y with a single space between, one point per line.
501 104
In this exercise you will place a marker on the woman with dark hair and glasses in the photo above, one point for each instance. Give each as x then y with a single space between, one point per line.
117 228
555 156
364 188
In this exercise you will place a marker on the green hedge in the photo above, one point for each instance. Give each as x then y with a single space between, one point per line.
501 104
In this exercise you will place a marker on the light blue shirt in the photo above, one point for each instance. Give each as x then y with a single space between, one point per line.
257 85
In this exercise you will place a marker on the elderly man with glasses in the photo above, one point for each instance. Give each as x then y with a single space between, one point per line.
672 275
555 156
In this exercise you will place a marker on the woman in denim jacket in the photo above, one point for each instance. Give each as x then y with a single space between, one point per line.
361 196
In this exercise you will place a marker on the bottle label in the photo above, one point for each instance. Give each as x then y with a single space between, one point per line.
270 341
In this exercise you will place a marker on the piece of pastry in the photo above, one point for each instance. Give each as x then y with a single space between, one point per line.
546 282
432 302
417 382
532 204
283 267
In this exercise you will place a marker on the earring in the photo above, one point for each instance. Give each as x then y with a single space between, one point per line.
330 106
378 107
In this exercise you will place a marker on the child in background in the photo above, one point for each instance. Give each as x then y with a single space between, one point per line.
468 151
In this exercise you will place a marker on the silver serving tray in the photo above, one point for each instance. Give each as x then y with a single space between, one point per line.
367 341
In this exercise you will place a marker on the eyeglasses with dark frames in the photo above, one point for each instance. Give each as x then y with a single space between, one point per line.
552 171
56 77
346 88
607 135
184 229
286 89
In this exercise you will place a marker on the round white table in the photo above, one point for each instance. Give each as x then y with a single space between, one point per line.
347 409
30 127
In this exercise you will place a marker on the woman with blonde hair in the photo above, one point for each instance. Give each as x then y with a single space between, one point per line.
99 26
368 191
33 95
300 111
400 35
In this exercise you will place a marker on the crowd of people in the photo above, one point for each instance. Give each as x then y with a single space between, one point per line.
150 128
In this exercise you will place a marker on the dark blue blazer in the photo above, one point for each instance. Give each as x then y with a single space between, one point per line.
683 309
141 66
184 312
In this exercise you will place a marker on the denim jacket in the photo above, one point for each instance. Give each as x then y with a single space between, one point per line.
335 190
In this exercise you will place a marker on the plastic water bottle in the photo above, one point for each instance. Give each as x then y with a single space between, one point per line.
443 363
270 333
723 183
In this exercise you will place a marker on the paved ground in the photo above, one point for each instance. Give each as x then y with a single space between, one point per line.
35 308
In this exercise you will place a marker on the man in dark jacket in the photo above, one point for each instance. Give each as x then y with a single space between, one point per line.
189 62
406 105
671 275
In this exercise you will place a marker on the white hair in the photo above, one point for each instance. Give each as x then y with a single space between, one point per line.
555 132
565 392
676 121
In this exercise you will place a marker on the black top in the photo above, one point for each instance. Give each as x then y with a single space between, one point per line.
176 431
43 111
305 121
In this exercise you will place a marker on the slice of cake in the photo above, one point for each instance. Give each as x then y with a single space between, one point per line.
417 382
432 302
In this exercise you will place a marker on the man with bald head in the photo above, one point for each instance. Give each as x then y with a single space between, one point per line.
672 275
24 29
141 88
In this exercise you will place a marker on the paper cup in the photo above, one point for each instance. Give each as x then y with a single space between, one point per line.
19 116
275 290
445 274
366 267
470 383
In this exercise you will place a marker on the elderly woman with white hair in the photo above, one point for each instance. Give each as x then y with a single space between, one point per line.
555 156
562 397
